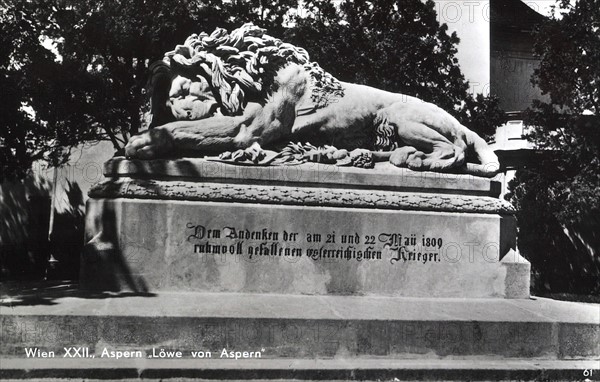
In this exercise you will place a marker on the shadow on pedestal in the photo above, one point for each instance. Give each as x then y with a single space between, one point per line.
105 265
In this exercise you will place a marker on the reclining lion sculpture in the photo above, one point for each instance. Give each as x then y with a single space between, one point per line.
228 91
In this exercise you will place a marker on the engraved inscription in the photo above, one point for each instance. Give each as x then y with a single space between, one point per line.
358 246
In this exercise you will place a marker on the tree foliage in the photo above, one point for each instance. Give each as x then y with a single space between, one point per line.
92 85
559 200
38 119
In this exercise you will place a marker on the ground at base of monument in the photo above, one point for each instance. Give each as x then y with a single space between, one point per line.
295 369
279 327
66 299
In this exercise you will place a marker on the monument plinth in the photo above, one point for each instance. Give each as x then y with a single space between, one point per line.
198 225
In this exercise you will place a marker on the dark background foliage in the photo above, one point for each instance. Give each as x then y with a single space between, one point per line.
558 200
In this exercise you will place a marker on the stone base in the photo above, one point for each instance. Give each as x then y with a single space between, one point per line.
303 326
204 227
156 245
368 369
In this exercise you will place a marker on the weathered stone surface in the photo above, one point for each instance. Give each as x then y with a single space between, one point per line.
384 176
302 196
338 369
150 245
305 327
517 280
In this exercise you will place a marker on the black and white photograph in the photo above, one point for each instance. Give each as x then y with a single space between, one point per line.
299 190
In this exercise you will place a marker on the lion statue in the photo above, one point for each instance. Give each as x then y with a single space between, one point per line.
229 91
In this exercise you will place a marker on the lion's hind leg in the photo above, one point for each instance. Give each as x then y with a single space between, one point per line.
444 156
426 149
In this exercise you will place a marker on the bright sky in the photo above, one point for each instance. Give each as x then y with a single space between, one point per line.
470 20
540 6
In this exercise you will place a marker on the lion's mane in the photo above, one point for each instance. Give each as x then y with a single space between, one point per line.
243 63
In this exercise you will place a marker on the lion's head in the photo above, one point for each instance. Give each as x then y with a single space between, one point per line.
226 70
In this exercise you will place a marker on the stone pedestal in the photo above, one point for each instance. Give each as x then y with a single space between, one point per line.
195 225
325 272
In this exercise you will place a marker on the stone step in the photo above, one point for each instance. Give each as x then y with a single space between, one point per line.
303 369
309 327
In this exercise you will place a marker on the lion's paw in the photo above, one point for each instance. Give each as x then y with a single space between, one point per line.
416 160
150 144
399 157
354 154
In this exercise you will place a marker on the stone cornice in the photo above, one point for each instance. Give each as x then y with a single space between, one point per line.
384 176
125 187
